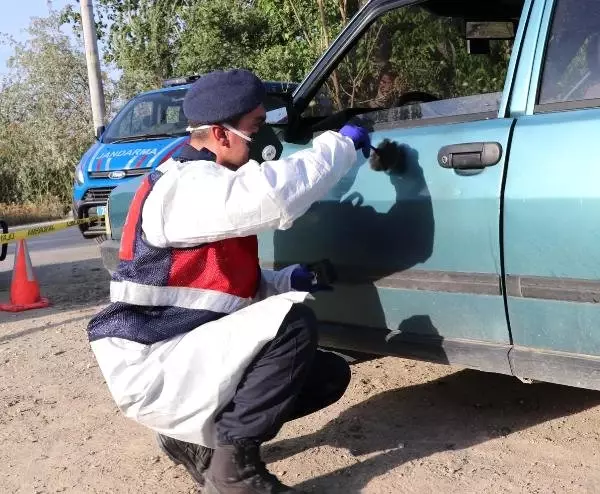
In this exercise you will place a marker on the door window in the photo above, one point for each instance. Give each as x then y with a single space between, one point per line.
416 63
571 71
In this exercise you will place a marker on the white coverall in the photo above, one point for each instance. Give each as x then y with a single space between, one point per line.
177 386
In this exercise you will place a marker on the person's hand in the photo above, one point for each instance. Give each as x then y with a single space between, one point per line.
303 280
360 137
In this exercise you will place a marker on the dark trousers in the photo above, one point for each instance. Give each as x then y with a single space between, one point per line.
287 380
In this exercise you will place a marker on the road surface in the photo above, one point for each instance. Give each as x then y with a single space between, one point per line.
403 427
60 260
51 248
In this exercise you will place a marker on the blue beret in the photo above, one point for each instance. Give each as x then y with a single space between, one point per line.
222 95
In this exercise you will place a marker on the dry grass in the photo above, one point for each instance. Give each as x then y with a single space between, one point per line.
23 214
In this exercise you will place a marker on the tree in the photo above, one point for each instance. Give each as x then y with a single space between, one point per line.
45 115
151 40
411 50
140 39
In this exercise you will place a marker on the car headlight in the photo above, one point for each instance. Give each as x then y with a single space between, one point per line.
79 176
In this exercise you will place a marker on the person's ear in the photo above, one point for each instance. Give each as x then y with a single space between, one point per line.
220 136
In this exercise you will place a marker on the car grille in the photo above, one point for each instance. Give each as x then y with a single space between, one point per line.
98 195
133 172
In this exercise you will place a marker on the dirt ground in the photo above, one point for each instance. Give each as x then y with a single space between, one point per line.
402 427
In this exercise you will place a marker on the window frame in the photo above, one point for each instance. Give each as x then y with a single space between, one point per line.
544 108
356 29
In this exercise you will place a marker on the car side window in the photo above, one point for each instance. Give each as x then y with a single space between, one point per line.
571 71
415 63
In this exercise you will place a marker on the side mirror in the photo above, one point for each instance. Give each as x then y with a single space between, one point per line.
99 131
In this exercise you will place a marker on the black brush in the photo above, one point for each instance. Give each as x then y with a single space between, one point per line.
388 156
323 271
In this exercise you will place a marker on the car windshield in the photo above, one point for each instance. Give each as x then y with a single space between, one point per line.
151 115
160 115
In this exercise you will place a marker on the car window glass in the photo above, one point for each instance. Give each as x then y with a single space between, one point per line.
572 63
415 63
142 119
148 115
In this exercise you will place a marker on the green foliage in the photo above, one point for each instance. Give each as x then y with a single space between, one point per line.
45 115
150 40
416 51
223 36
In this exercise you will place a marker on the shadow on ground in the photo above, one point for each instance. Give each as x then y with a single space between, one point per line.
452 413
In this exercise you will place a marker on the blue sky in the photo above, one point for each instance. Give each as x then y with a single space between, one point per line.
15 18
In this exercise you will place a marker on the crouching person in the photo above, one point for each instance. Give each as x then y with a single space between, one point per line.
199 344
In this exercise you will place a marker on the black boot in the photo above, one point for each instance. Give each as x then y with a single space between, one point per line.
239 470
193 457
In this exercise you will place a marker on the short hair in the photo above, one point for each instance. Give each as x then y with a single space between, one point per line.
203 134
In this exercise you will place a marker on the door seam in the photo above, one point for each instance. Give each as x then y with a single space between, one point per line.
501 232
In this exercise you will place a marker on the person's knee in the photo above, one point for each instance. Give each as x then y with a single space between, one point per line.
301 324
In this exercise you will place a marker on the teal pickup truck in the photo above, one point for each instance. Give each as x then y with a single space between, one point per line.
479 246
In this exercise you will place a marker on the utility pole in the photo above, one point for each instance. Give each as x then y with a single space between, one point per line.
93 64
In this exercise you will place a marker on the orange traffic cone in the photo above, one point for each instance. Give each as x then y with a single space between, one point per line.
24 288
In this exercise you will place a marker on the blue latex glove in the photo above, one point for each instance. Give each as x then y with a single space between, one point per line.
303 280
360 137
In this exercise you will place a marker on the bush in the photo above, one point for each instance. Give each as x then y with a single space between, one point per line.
45 209
45 116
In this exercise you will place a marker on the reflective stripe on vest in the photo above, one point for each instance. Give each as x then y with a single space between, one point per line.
221 277
189 298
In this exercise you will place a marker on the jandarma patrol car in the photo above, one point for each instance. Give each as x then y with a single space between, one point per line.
146 132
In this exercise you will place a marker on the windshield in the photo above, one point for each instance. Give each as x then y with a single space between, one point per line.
160 115
156 114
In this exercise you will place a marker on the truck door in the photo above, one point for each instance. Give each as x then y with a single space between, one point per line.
552 205
416 247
